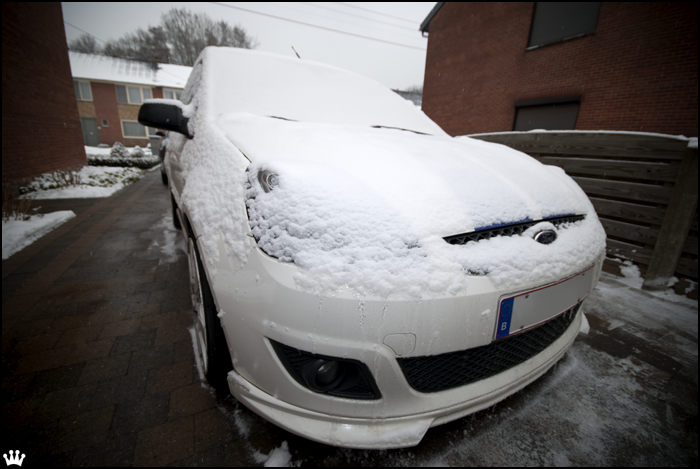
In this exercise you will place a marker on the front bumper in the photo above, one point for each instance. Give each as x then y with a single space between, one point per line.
260 301
403 431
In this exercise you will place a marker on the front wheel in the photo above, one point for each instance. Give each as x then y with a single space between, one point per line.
212 351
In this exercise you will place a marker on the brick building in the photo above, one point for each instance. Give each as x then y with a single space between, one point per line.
109 92
40 125
494 67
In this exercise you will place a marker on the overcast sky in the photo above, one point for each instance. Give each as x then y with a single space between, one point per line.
391 51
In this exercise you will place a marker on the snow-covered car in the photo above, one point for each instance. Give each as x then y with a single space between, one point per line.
359 276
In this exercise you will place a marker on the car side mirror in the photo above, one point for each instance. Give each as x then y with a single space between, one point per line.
164 115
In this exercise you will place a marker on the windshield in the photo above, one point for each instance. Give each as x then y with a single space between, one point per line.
264 84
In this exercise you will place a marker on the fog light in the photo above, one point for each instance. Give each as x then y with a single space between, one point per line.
323 375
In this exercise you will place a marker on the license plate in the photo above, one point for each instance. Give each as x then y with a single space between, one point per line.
531 308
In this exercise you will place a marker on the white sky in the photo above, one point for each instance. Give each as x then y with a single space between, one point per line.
395 66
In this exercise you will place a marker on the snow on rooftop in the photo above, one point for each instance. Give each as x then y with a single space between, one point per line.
114 69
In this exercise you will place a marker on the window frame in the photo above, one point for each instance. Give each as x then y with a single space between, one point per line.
563 39
545 101
174 91
150 131
81 98
128 98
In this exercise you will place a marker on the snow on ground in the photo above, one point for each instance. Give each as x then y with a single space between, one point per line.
91 182
168 241
18 234
633 278
94 181
105 151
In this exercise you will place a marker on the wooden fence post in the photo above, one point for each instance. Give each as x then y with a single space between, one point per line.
675 225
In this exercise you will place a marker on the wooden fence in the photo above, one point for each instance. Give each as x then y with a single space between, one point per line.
644 188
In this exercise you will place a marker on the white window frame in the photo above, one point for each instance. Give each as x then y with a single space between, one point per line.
128 98
149 130
174 91
80 98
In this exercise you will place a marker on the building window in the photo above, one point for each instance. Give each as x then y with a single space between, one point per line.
547 113
105 122
171 94
554 22
132 129
132 94
82 90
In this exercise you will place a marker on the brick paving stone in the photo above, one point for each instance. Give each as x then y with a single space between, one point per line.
66 402
214 457
131 386
171 333
166 443
168 377
56 379
142 340
133 416
105 368
212 429
79 335
156 357
190 400
82 430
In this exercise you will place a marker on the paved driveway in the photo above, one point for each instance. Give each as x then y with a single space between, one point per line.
98 368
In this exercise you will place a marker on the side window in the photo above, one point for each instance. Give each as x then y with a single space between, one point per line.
554 22
132 94
547 113
82 90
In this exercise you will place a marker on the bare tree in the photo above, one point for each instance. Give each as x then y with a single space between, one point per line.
84 43
188 33
178 39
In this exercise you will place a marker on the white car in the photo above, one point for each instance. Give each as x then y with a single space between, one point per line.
359 276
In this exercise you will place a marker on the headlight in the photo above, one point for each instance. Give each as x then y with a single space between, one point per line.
268 180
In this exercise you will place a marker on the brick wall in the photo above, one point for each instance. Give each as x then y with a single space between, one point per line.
40 125
638 72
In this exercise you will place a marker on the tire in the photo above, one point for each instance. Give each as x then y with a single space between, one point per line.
211 347
176 220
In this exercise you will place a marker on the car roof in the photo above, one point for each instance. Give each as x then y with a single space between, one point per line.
266 84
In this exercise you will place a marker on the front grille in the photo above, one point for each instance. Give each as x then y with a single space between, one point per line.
508 230
449 370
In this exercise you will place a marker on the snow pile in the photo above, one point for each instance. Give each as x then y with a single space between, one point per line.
632 277
18 234
278 457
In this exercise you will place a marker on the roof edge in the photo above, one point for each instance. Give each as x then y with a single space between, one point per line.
426 22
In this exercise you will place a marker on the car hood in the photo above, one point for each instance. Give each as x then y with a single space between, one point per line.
428 184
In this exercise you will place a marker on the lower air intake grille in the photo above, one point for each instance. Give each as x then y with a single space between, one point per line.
449 370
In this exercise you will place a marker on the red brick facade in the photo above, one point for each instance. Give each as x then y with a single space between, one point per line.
637 72
104 106
40 125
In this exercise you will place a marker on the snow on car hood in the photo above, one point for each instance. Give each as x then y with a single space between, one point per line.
367 208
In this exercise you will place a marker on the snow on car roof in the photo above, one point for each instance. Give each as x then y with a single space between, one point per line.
114 69
269 84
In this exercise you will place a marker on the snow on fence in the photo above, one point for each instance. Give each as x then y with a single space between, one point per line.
643 186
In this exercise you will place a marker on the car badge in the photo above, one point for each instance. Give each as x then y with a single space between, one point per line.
546 237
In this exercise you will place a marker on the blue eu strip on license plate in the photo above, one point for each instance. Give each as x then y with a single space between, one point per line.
533 307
